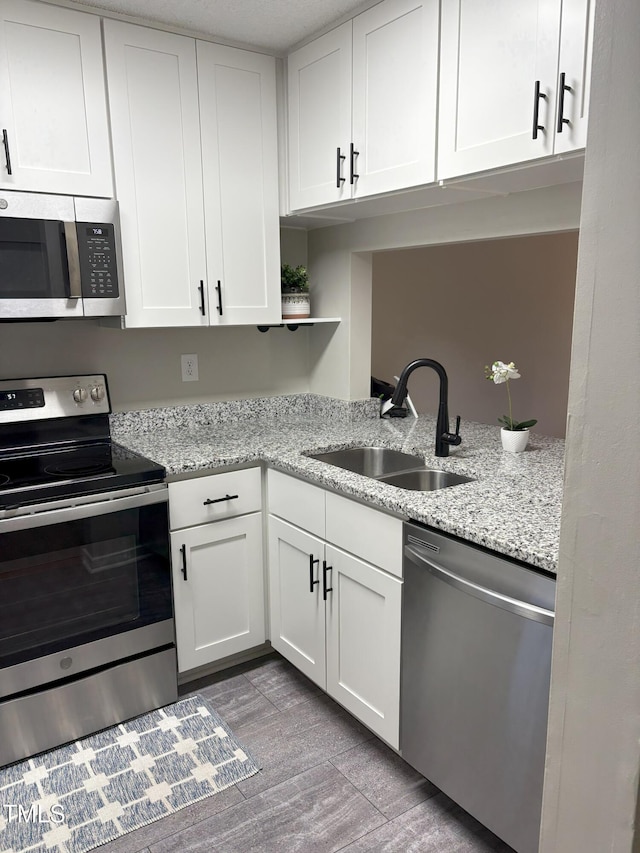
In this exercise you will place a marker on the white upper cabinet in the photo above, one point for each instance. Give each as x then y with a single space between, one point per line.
153 100
501 63
362 105
53 115
240 174
576 47
395 88
195 157
320 119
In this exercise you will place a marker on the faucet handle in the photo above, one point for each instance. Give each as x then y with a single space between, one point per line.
453 437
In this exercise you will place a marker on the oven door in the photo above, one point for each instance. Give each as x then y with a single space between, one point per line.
83 586
39 257
39 269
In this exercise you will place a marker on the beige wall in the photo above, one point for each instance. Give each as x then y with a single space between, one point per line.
143 365
467 305
341 357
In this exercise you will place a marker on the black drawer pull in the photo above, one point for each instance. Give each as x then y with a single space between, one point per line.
312 562
325 588
201 291
219 500
219 290
183 551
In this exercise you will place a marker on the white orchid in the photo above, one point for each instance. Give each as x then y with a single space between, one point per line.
501 372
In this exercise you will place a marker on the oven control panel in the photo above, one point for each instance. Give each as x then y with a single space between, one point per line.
53 397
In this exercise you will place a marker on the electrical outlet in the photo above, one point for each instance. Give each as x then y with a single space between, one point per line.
189 365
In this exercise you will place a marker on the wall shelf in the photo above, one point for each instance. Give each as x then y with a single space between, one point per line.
292 325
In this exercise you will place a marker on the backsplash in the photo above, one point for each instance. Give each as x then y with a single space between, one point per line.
286 406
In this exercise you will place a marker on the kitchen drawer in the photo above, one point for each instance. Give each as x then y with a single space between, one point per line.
298 502
211 498
368 533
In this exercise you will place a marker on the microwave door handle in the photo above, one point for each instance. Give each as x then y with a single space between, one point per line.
73 258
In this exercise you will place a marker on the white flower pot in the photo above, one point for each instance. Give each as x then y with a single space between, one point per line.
295 306
514 440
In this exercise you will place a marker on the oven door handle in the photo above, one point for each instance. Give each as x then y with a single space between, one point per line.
73 259
108 502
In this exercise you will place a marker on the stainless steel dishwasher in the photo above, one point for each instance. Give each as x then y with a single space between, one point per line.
476 660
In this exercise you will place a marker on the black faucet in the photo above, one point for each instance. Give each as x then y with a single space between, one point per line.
393 408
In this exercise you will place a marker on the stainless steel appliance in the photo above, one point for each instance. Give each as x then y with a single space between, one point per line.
86 616
476 659
59 257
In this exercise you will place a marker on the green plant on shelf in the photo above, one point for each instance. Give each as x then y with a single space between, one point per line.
294 279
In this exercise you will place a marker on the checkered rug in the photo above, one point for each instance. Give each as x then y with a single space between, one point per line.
86 793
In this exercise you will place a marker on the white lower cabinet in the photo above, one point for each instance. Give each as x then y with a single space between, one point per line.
333 615
218 577
363 642
296 604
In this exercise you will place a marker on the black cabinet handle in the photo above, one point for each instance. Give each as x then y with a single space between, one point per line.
183 551
219 289
325 588
561 90
7 156
219 500
352 171
312 562
537 94
201 290
339 158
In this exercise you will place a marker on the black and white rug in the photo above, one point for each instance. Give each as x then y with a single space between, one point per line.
79 796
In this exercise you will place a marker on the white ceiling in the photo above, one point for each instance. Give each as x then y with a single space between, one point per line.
273 25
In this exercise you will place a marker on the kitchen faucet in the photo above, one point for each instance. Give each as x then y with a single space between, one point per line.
393 408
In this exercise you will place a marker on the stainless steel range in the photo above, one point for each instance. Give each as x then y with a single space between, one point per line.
86 617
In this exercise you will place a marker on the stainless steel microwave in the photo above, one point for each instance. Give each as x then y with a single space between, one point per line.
59 257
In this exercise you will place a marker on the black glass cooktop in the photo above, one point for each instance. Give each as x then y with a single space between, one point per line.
30 477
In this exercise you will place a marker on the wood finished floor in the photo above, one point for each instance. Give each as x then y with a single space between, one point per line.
326 784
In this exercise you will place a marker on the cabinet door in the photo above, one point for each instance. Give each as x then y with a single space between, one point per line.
296 603
492 54
395 81
363 642
576 44
219 604
52 100
240 173
320 120
153 102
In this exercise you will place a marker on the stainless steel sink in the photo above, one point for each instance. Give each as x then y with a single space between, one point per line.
424 479
370 461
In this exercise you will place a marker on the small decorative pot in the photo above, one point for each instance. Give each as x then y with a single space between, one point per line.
295 306
514 440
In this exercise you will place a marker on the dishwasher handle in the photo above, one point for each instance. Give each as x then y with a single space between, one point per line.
513 605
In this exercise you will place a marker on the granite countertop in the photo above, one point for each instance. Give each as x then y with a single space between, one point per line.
512 506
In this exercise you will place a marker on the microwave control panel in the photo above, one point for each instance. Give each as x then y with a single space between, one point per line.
98 267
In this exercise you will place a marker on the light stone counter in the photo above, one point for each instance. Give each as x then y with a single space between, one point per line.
512 506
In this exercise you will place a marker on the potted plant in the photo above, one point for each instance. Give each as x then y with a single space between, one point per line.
294 286
514 434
